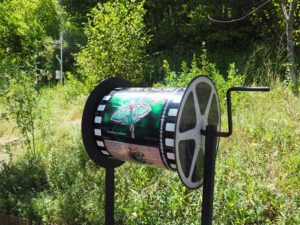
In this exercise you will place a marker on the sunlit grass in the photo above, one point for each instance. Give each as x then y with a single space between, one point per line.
257 170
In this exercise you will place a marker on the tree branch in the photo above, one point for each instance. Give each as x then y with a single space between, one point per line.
241 18
285 13
293 6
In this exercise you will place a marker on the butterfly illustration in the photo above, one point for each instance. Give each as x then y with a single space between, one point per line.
130 114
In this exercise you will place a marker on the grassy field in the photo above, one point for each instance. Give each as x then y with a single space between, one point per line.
257 170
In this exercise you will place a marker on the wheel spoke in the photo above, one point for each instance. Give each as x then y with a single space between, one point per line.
186 135
197 106
208 106
193 165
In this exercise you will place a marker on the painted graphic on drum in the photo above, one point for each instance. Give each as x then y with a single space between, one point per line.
130 114
133 116
132 123
135 153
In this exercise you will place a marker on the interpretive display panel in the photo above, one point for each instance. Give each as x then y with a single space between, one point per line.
160 127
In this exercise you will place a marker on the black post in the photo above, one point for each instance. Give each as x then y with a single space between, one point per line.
109 195
209 174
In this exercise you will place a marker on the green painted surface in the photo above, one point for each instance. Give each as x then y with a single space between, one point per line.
135 114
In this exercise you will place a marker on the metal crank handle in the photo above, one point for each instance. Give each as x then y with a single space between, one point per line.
229 108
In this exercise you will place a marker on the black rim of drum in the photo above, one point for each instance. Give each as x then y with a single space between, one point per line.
91 134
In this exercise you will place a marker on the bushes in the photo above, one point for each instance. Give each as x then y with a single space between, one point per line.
19 184
27 30
201 66
116 41
256 181
21 99
257 169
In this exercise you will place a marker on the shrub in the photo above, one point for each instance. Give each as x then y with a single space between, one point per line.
201 66
116 41
256 173
19 184
21 98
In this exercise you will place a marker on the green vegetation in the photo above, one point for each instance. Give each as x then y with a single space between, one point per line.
257 179
116 42
45 173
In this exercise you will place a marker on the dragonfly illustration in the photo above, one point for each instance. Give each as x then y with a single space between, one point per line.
130 114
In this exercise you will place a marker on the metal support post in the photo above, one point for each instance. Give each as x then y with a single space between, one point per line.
109 195
61 57
209 174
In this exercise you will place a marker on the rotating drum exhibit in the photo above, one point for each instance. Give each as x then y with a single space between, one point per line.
157 127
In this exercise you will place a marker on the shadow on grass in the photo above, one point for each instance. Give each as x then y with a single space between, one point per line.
20 182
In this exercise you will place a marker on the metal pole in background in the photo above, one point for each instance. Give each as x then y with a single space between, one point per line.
109 195
209 174
61 58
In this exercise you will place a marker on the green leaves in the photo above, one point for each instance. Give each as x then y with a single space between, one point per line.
21 99
202 66
27 30
24 24
116 41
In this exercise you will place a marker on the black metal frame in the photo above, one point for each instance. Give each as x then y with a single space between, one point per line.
209 174
109 195
87 126
211 135
229 110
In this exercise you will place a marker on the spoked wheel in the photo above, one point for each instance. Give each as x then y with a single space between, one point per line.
199 107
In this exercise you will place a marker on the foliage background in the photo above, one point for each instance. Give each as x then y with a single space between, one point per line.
45 173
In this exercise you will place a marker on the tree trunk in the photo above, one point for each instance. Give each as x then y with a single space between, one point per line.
290 43
291 56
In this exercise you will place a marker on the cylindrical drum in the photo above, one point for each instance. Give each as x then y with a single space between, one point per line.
138 124
159 127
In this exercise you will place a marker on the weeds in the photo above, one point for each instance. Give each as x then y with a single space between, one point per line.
264 66
257 170
21 99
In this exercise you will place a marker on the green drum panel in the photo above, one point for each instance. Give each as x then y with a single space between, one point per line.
133 124
134 115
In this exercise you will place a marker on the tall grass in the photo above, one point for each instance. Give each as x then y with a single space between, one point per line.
257 170
265 65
